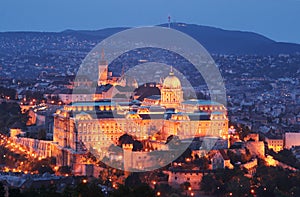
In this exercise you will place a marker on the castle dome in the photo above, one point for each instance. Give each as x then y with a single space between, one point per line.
171 81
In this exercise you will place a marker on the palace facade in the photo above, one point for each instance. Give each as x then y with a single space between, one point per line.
95 125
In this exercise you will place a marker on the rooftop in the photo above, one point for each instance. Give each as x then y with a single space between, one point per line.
200 102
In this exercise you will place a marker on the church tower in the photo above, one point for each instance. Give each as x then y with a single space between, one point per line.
171 92
102 70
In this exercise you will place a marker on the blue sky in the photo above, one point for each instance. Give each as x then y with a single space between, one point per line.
276 19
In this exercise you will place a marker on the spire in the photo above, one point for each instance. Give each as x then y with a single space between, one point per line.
123 71
102 54
102 61
171 72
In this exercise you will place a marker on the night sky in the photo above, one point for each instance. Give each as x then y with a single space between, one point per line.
276 19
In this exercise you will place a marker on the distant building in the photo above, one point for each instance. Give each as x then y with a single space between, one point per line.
256 148
252 137
250 167
219 160
177 177
291 139
104 76
82 81
275 143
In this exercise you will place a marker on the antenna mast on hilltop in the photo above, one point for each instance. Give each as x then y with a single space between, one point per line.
169 21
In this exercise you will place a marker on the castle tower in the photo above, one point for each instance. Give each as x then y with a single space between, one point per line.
102 70
171 92
127 158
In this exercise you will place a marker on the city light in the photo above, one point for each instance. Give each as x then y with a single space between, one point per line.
181 132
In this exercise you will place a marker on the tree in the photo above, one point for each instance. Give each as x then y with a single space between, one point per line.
139 190
167 190
2 190
133 180
203 162
42 166
10 113
222 181
88 189
65 170
128 139
286 156
137 145
208 184
125 139
275 181
14 192
143 189
121 191
239 186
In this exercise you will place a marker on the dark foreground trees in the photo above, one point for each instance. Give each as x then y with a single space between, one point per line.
226 182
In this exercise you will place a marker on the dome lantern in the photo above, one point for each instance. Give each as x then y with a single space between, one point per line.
171 81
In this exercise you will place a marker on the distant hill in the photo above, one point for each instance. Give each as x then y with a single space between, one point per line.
97 34
215 40
221 41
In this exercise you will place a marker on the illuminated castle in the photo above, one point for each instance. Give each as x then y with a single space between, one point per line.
95 125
